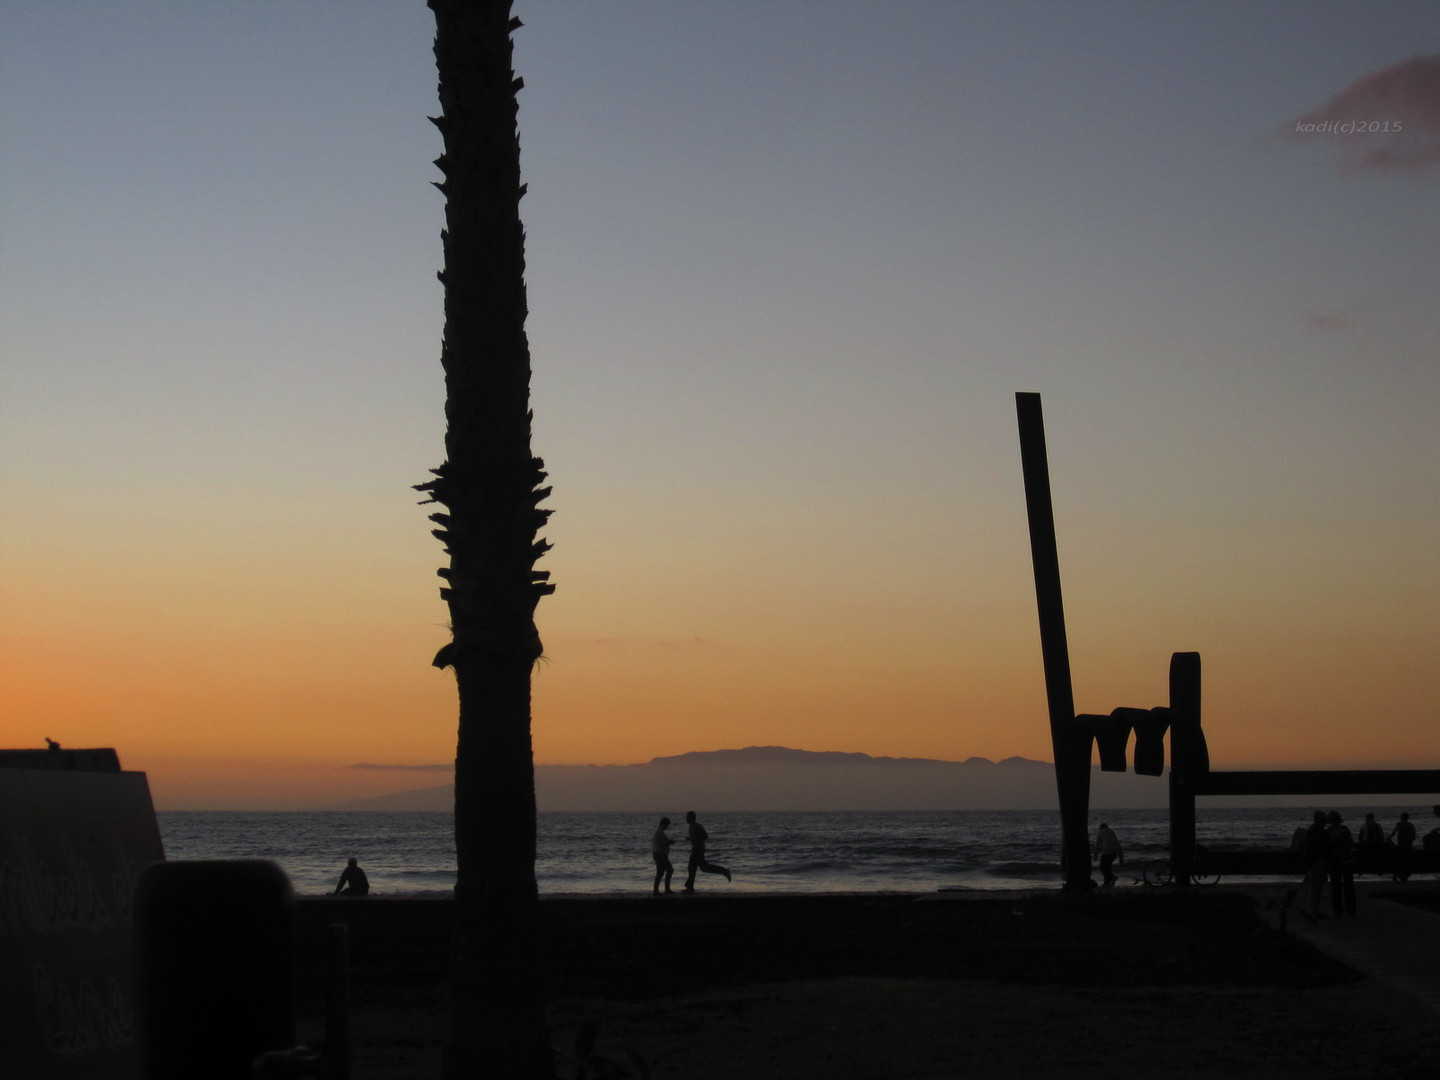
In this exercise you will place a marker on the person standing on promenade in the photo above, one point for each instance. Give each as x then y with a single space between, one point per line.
1403 837
353 881
698 837
660 851
1340 853
1313 854
1370 846
1107 849
1371 834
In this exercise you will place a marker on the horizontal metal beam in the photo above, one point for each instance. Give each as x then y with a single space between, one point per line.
1320 782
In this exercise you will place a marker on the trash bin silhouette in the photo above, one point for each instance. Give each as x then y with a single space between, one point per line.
214 946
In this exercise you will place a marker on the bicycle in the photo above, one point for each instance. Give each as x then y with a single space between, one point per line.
1160 874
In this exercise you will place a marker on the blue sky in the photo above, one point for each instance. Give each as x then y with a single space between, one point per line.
788 264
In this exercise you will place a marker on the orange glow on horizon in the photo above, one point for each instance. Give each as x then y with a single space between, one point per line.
246 716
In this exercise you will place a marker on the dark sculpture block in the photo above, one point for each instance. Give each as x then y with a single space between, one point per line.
1112 737
1150 726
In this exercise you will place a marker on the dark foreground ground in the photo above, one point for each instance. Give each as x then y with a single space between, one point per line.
900 988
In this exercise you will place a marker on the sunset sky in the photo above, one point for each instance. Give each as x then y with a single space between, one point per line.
788 265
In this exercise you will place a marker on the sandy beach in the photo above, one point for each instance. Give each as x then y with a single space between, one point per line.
898 987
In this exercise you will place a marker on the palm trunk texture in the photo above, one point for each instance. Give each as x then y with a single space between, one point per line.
490 488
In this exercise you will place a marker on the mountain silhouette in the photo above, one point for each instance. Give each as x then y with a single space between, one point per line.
782 778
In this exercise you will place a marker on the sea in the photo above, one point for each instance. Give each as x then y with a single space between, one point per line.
412 853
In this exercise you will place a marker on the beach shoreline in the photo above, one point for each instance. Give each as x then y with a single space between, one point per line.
891 985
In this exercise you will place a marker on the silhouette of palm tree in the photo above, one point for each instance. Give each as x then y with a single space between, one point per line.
490 487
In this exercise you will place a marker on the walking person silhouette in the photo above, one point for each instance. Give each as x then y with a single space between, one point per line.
660 851
1107 850
698 837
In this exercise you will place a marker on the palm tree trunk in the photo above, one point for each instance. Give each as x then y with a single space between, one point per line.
490 488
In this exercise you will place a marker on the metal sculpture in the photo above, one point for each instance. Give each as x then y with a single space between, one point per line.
1073 736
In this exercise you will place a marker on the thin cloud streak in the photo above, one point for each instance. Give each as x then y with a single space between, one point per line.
1330 322
649 643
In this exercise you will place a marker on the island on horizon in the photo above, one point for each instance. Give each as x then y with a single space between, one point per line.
783 778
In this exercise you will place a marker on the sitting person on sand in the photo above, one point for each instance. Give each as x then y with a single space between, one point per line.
698 837
1431 840
353 881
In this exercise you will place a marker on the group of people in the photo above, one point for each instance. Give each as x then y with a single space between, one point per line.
1328 851
1328 848
660 851
1332 854
353 881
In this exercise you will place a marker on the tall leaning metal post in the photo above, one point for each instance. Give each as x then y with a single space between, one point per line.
1070 740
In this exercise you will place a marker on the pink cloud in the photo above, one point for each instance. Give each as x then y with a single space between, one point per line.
1386 120
1330 322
